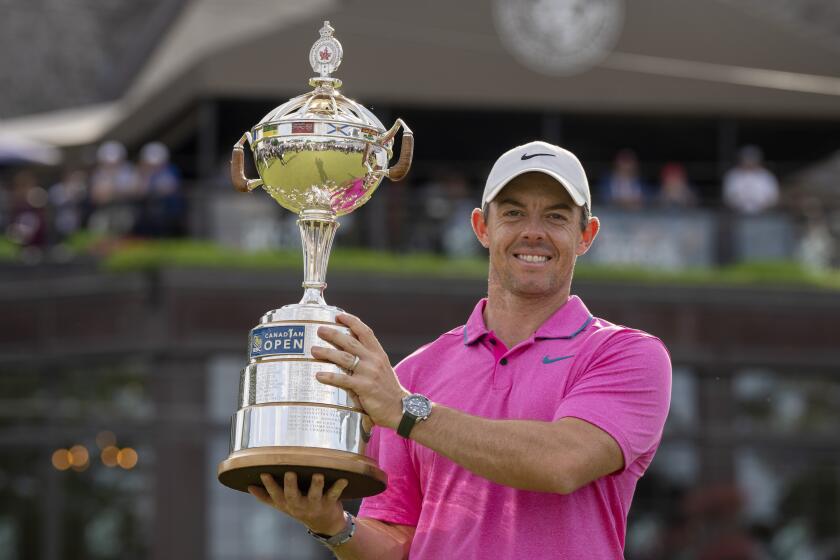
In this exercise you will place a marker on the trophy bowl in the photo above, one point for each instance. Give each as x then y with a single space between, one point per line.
321 156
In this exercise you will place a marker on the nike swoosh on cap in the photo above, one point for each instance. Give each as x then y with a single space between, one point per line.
547 360
529 156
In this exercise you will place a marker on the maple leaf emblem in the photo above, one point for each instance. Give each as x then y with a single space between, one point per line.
325 54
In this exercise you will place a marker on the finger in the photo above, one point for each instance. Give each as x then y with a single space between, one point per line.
290 487
363 332
260 494
339 357
273 489
316 488
342 341
340 380
334 493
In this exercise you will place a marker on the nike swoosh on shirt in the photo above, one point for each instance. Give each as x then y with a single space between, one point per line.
547 360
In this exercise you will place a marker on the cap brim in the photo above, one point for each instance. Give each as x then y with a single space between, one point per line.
578 198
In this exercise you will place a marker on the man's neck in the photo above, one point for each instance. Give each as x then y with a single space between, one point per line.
515 318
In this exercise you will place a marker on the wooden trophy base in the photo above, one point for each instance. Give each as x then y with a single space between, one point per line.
243 468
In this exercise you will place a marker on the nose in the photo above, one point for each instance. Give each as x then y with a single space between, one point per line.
534 229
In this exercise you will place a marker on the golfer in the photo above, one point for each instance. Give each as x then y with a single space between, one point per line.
519 435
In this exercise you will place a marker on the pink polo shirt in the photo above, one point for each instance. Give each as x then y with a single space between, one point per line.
575 365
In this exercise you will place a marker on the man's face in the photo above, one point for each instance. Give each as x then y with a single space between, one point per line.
533 232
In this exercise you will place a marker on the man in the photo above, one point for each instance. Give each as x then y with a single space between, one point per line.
540 418
749 188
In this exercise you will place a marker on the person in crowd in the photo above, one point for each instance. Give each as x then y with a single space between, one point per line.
28 215
817 245
674 189
623 187
67 199
113 191
523 432
457 237
162 211
749 188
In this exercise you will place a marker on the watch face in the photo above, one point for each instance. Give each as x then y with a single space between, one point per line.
417 405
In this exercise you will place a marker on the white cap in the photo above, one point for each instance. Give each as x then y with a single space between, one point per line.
546 158
110 152
154 153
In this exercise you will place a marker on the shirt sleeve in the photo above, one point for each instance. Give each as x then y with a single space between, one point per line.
625 391
401 501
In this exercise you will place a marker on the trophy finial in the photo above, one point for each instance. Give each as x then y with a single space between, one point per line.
325 55
327 30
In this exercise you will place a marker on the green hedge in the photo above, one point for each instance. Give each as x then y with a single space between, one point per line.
132 255
201 254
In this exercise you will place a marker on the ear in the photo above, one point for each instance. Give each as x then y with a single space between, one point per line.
587 236
480 227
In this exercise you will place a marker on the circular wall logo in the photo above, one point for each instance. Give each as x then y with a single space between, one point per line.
559 37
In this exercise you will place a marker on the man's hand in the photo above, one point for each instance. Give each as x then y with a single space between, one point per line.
320 512
372 380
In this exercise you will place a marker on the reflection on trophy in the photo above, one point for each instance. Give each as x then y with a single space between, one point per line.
320 155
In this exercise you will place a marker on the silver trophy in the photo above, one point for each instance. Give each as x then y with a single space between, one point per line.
320 155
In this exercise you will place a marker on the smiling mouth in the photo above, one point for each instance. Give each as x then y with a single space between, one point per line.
532 258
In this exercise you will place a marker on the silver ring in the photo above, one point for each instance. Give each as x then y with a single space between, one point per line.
355 363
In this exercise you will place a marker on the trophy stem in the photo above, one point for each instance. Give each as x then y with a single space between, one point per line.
317 231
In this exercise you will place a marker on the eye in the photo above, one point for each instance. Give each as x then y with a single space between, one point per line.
556 216
513 212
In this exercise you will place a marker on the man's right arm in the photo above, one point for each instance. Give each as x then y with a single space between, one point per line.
323 513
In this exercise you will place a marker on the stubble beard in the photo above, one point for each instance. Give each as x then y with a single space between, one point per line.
506 281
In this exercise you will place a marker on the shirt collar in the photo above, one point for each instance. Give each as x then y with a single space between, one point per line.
475 327
568 321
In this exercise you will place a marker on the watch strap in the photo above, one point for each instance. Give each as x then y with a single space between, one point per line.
406 424
340 538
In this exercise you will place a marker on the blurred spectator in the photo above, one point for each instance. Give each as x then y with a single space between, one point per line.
441 223
749 188
67 199
4 207
429 209
162 210
623 187
27 215
674 190
458 237
816 246
113 191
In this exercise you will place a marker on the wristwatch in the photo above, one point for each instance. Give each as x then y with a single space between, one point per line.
338 539
416 408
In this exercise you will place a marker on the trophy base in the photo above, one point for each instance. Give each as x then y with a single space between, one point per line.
243 468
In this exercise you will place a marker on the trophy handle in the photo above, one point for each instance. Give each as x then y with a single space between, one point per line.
237 167
400 170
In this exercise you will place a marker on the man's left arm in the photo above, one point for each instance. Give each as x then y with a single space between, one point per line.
589 438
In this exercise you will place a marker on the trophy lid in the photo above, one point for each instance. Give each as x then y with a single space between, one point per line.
325 102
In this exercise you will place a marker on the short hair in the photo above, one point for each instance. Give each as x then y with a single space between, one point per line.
585 214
